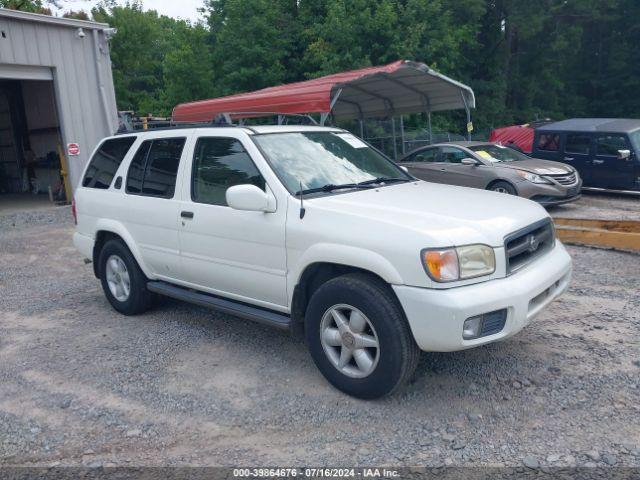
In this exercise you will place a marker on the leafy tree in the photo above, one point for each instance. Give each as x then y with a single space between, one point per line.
187 66
33 6
137 55
250 43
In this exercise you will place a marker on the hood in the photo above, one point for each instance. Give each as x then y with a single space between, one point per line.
540 167
449 215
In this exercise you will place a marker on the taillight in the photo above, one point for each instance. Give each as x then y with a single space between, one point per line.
73 211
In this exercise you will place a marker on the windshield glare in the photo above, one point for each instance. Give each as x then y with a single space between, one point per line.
498 153
316 159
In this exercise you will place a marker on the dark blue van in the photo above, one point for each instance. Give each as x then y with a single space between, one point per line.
604 150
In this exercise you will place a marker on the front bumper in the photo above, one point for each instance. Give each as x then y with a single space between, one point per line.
436 316
548 195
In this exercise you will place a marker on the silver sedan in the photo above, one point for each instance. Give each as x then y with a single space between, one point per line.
494 167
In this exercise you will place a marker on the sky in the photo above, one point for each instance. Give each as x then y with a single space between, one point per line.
185 9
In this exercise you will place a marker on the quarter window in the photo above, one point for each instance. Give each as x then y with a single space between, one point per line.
154 167
610 144
549 142
105 162
578 144
220 163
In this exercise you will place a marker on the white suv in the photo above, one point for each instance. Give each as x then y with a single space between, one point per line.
311 230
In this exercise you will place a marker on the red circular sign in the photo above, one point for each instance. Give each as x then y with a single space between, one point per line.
73 149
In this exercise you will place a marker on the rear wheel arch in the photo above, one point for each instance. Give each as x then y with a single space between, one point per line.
102 236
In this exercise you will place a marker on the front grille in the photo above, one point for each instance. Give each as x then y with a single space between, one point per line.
493 322
529 243
569 179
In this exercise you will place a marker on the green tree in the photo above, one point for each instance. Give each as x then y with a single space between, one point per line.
137 55
251 41
188 67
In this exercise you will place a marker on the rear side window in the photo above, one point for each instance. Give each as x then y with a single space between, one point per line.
154 167
105 162
220 163
428 155
577 144
549 142
610 144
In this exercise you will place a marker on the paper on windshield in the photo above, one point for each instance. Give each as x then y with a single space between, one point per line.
352 140
484 154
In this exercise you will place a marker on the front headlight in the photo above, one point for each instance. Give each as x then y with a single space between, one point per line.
461 263
532 177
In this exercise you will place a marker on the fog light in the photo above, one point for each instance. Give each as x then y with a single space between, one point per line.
471 327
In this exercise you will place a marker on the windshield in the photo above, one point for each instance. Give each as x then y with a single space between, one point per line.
498 153
319 159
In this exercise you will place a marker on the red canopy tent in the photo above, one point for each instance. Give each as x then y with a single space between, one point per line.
519 135
398 88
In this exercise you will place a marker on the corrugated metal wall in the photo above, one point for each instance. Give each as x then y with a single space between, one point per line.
81 71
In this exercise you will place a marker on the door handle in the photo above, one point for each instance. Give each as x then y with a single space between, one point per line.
597 162
443 169
184 214
568 159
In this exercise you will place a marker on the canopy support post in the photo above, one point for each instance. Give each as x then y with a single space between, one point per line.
325 115
466 108
361 129
393 132
402 134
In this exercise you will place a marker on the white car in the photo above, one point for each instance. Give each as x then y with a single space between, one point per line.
311 230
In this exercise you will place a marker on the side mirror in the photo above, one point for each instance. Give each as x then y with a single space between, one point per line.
249 198
469 161
624 154
405 169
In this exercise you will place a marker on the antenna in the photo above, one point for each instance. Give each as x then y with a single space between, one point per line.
302 210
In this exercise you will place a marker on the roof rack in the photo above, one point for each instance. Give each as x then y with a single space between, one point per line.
218 122
222 120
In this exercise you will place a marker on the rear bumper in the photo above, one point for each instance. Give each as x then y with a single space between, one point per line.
436 316
84 244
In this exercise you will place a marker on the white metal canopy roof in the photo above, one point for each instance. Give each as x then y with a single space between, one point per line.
411 87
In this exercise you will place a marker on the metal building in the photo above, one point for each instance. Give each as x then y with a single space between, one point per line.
56 97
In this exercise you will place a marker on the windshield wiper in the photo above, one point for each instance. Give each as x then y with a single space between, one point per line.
384 180
330 187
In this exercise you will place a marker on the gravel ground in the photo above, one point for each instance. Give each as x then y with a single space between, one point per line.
180 385
600 207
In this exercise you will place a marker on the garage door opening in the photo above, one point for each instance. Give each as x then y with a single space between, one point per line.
30 140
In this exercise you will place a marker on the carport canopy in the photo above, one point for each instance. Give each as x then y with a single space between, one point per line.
401 87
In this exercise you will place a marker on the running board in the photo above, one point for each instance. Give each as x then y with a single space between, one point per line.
257 314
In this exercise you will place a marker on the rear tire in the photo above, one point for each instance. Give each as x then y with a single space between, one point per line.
123 282
359 338
503 187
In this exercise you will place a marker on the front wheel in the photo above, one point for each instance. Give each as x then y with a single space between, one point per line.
503 187
359 338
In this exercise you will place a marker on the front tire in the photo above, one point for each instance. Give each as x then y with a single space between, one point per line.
359 338
123 282
503 187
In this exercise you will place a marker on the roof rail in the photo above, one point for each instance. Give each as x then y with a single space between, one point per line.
126 129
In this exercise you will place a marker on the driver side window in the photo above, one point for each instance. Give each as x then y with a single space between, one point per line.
452 155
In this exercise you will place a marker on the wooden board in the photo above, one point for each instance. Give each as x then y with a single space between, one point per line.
616 234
